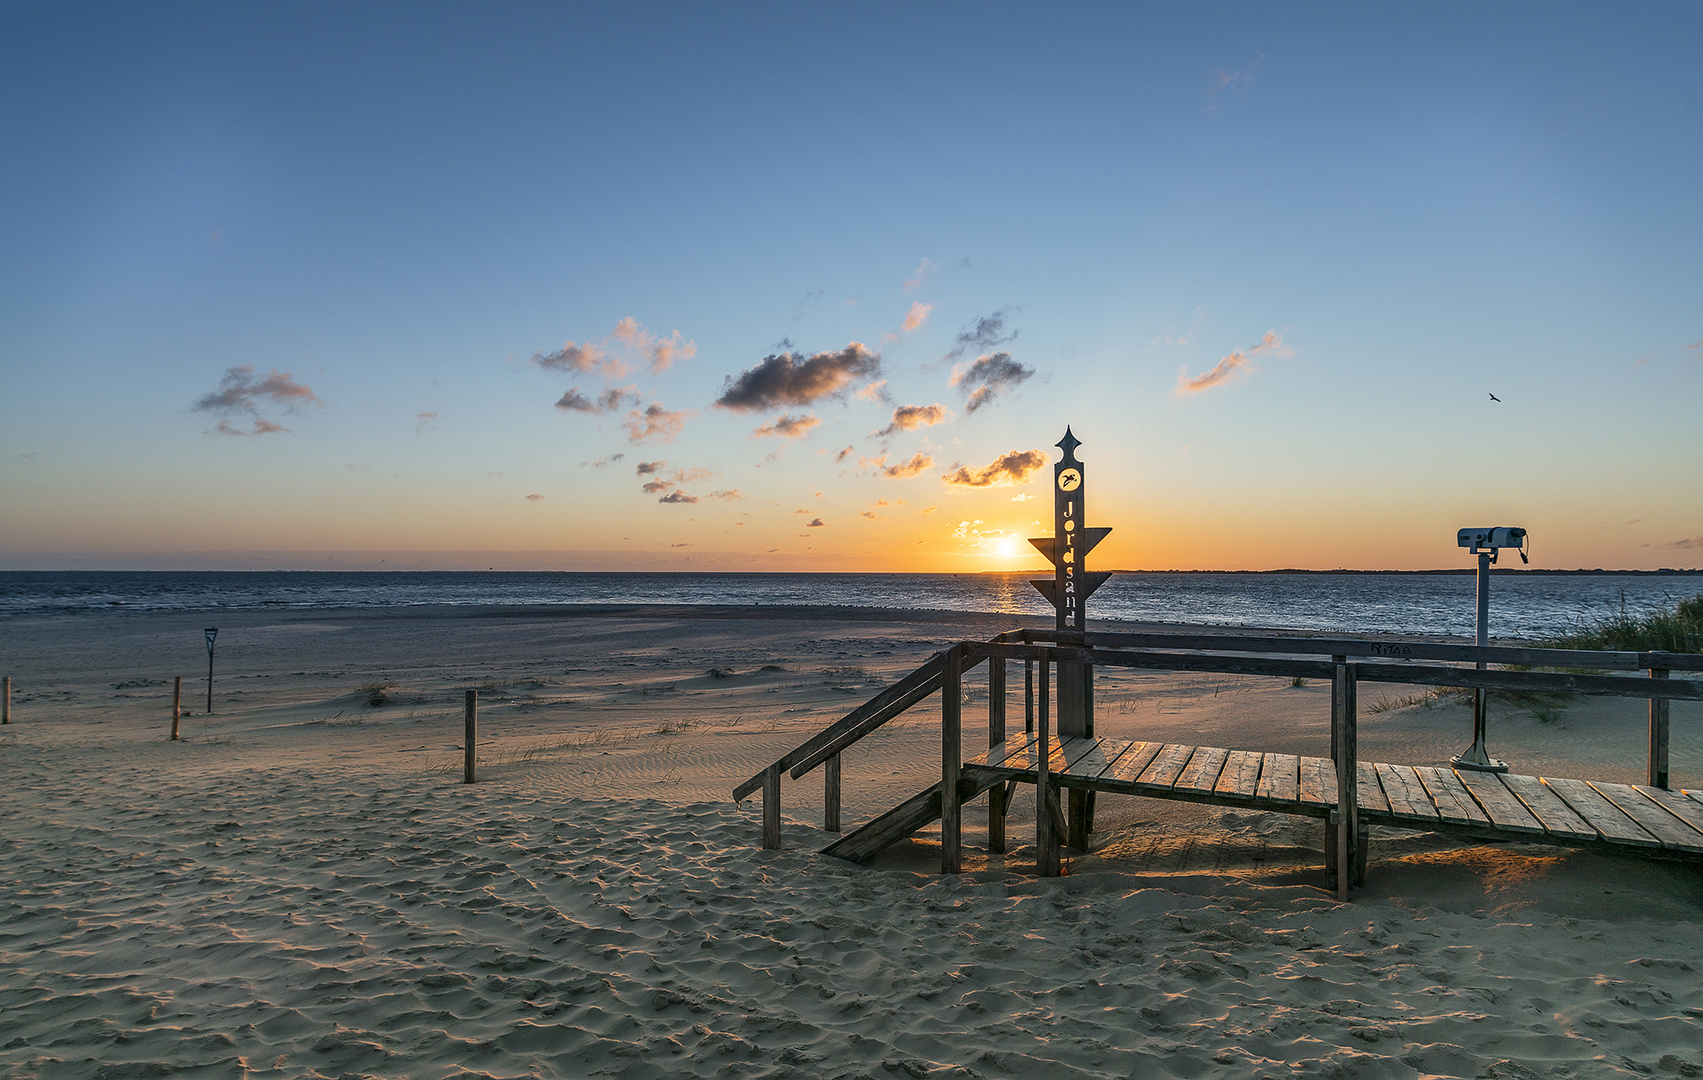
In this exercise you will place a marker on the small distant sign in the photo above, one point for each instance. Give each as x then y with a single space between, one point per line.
211 632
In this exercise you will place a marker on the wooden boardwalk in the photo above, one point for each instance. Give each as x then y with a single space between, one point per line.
1487 805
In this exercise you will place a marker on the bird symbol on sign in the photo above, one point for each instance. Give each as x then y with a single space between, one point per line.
1493 397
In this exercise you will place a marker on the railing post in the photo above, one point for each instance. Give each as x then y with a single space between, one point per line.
996 735
951 757
772 806
1046 838
176 704
1028 696
1345 754
470 724
831 794
1658 735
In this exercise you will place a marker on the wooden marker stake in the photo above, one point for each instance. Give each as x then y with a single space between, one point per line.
6 702
176 704
468 739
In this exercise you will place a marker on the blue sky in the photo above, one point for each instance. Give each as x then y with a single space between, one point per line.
409 223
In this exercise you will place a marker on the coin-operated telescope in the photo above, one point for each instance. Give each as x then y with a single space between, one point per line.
1486 544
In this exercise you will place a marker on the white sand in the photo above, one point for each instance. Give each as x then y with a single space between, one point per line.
305 888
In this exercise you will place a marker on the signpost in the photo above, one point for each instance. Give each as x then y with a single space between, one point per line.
211 632
1071 585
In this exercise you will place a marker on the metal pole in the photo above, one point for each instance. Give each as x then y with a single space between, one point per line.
1476 757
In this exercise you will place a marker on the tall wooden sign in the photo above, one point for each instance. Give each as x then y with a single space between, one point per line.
1068 590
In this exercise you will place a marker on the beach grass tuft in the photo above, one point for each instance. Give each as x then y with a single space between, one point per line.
1678 628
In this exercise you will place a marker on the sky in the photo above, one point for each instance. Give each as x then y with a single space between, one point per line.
819 287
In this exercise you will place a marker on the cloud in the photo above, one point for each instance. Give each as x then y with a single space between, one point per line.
653 486
987 335
240 391
788 379
815 523
582 358
678 497
788 427
1012 468
535 498
1696 347
628 341
261 427
925 270
603 462
687 476
1687 544
843 454
1230 80
907 417
916 463
654 421
608 401
1232 365
915 319
423 421
987 377
870 514
647 468
659 352
1023 498
728 495
875 391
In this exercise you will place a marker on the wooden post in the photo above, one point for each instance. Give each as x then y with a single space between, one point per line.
1028 697
1344 741
772 807
176 704
6 702
996 734
470 717
1046 840
831 794
1658 735
951 757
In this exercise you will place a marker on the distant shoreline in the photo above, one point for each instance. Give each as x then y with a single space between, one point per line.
1467 571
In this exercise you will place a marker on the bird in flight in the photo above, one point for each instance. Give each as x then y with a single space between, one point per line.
1493 397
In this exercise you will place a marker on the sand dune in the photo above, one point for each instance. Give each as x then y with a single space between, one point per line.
304 888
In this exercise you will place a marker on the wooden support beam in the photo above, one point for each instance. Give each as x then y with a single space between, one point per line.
1658 735
176 704
996 735
470 735
951 757
1046 836
1345 754
772 806
831 794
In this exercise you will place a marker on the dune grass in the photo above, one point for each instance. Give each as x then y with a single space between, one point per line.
1678 628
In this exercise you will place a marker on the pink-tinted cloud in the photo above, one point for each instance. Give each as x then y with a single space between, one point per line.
790 379
261 427
678 497
654 422
659 352
727 495
909 417
535 498
916 463
1238 362
654 486
1012 468
607 401
925 270
626 345
423 421
648 468
1687 544
586 358
787 427
915 319
843 454
241 391
815 523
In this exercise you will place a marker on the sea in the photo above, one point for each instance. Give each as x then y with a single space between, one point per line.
1523 604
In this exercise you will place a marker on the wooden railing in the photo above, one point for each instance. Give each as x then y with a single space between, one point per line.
1385 661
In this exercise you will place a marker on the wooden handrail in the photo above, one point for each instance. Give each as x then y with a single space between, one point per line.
1385 650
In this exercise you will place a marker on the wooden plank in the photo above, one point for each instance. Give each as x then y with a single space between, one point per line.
1166 767
1454 803
1502 806
1318 782
907 817
1241 775
1129 764
1406 795
1203 769
1096 761
1676 804
996 755
1071 751
1370 791
1672 832
1601 814
1557 818
1280 777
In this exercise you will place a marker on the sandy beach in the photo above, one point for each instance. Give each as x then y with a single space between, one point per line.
303 887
